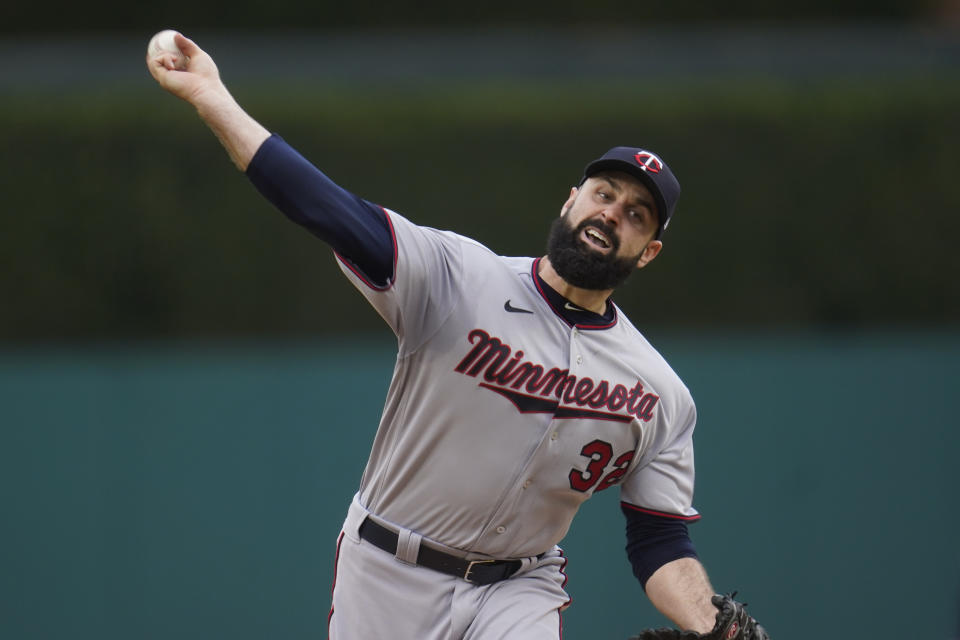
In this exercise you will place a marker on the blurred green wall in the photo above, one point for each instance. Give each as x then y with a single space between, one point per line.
818 170
164 492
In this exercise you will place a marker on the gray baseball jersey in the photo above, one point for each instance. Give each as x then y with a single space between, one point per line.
502 417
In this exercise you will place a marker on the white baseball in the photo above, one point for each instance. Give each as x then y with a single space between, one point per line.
163 42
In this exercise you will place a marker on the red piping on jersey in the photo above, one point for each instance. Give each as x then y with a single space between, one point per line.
662 514
539 283
361 275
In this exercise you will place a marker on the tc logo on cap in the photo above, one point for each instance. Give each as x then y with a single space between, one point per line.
648 161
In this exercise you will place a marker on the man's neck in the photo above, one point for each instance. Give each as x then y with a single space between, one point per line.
588 299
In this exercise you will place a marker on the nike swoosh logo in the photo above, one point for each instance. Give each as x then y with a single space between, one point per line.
512 309
573 307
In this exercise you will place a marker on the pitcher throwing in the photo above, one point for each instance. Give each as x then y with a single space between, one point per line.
520 390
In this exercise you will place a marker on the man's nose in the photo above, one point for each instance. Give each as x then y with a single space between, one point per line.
612 213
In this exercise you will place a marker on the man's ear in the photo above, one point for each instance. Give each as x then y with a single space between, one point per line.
651 251
570 200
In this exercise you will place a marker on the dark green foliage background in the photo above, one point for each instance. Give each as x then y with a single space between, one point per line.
806 203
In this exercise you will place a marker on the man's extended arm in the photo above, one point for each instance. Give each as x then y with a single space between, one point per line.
200 85
356 229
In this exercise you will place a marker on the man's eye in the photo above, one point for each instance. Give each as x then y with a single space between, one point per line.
602 195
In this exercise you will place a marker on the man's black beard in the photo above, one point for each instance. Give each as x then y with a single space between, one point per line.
583 267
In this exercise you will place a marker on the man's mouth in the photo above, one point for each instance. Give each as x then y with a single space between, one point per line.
594 237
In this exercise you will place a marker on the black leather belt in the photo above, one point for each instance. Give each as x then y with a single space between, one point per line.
481 572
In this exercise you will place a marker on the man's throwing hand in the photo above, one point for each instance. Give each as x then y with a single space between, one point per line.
195 82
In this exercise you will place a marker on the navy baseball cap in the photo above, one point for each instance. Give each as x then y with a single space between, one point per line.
648 168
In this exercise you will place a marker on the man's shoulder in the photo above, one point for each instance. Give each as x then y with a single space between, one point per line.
403 225
473 259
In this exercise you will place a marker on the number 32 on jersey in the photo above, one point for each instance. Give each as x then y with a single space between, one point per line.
598 474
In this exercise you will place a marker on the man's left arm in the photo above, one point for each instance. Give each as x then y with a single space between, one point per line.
664 558
656 503
681 591
664 561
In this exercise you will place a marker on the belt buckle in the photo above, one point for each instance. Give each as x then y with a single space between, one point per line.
466 576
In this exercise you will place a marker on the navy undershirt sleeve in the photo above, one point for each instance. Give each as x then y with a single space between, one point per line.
356 229
653 541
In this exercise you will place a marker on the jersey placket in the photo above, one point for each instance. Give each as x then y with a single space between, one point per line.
551 447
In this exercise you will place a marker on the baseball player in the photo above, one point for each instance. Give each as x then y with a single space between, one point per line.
520 390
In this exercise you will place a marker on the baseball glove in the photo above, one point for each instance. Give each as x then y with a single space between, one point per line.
732 623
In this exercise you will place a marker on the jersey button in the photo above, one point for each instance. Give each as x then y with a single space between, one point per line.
579 359
501 529
553 436
527 483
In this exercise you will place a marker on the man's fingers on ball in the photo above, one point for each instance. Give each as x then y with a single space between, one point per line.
175 62
164 48
165 61
156 66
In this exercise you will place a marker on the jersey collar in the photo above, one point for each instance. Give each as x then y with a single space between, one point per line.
569 312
